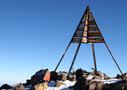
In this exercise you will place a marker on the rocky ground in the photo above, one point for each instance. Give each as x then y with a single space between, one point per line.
79 80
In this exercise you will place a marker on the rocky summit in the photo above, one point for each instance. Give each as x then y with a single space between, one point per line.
79 80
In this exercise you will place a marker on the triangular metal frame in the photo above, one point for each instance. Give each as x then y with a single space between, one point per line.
87 32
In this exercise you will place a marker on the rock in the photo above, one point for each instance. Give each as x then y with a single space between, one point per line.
51 84
62 76
92 86
5 86
100 85
90 77
19 87
72 77
116 86
59 83
85 75
96 85
100 81
41 86
118 76
98 77
28 82
79 74
40 76
46 75
54 76
81 84
124 76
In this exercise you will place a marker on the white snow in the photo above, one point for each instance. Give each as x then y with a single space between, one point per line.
90 77
110 81
65 86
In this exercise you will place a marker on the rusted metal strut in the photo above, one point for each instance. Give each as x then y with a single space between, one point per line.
94 57
76 53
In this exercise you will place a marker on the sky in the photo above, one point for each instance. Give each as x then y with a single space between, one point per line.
35 33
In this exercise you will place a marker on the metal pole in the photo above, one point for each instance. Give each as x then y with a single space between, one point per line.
69 43
111 54
72 64
113 58
79 44
62 56
94 57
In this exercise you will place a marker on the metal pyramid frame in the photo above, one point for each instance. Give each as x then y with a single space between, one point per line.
87 32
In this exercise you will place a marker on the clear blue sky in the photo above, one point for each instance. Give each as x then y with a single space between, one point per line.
34 34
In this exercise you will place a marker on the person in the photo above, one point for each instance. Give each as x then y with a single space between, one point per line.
81 83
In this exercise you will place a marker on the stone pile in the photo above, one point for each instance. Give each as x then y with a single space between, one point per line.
83 80
79 80
124 76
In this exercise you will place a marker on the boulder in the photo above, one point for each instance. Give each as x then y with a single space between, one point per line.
41 86
81 84
59 83
40 76
54 76
62 76
124 76
5 86
19 87
90 77
72 77
79 74
116 86
96 85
